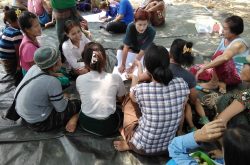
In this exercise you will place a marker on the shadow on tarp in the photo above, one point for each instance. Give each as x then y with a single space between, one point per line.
19 145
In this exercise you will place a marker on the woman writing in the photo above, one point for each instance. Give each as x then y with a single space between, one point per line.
139 36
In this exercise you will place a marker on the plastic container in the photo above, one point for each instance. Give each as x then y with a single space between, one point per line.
200 88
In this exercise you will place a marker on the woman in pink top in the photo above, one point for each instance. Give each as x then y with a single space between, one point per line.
42 9
31 28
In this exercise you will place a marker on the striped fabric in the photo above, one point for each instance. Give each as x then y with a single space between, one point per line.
57 97
161 107
9 39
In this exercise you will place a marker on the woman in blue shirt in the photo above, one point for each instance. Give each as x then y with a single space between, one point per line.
124 17
235 143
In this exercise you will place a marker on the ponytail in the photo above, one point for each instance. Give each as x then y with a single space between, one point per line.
162 75
181 51
156 61
94 61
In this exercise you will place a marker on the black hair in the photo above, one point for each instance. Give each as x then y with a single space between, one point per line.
9 15
235 24
180 51
156 61
87 54
25 20
68 25
236 144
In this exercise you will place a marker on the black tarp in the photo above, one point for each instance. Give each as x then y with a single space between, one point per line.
19 145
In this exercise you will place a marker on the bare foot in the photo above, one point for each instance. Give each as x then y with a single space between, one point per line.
72 123
121 145
210 85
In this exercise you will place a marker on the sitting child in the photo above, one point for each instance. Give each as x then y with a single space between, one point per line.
110 9
10 41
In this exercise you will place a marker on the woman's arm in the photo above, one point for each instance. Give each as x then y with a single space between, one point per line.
70 57
133 84
124 58
118 18
142 76
180 146
138 57
121 91
228 54
155 5
46 7
81 71
233 109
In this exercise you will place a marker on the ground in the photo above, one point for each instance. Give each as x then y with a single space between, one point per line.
26 147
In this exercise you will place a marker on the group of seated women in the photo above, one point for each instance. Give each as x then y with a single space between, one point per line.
160 96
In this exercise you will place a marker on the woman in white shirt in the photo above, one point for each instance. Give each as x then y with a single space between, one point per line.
74 46
99 91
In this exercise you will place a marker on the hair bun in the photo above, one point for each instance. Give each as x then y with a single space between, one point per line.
6 8
189 44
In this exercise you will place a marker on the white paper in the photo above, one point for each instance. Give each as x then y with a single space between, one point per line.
130 59
94 17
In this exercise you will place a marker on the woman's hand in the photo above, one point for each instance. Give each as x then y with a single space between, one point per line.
57 74
121 69
129 76
137 63
210 131
88 34
84 24
82 70
199 72
131 69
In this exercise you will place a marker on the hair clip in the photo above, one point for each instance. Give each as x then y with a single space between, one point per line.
185 49
94 58
18 12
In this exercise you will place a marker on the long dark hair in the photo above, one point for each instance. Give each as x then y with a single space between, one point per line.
156 61
180 51
68 25
236 143
87 56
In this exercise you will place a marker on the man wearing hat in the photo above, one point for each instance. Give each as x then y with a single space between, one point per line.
241 99
41 103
